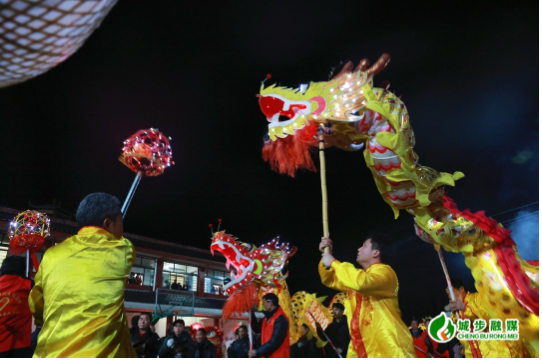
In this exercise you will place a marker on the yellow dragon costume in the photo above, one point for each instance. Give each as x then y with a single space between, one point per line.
353 112
258 271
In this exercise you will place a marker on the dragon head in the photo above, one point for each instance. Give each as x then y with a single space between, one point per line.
250 264
294 114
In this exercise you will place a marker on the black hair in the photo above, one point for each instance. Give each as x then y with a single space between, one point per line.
202 330
272 297
340 306
242 327
457 283
179 321
95 208
381 242
13 265
307 327
148 314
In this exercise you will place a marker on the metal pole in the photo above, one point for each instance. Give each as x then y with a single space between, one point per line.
155 277
131 193
250 330
27 262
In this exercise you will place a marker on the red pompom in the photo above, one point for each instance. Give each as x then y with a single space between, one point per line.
268 76
220 220
210 226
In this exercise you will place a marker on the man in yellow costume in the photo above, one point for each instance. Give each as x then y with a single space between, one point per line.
372 309
79 291
468 306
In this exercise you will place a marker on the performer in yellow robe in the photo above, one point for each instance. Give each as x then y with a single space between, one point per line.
79 291
372 309
469 306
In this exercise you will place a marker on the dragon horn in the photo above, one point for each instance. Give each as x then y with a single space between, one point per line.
362 65
379 65
347 68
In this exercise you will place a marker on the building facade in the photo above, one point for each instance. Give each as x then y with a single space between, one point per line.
167 279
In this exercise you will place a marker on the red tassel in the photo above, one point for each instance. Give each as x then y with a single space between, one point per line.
286 155
240 303
26 242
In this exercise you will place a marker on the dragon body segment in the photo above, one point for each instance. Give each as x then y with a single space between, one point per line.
257 271
354 112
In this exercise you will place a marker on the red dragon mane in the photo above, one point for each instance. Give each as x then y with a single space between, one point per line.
286 155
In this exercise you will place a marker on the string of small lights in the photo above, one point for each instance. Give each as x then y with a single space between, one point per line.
27 232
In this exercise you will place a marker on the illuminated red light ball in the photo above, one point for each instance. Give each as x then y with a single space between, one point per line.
148 151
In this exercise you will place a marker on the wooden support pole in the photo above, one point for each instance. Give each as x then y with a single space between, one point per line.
321 149
447 275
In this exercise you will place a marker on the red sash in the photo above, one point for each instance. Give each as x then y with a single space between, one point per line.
355 332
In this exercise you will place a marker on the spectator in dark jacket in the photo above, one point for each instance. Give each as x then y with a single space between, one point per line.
178 343
204 347
337 331
306 346
240 347
144 341
15 318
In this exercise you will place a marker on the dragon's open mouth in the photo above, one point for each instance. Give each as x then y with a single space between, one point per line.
283 118
241 264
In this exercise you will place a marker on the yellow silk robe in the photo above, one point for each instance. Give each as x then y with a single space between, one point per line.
79 297
376 328
491 348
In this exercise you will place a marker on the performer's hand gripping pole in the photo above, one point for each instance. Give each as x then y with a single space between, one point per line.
131 193
447 275
323 183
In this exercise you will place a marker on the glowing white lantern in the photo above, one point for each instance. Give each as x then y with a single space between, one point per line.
36 35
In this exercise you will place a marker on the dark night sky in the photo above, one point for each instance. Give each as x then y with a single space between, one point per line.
468 73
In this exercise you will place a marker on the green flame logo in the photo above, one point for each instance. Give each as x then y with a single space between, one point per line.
442 328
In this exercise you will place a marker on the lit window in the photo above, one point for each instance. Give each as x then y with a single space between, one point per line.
214 282
142 272
180 277
3 254
4 245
